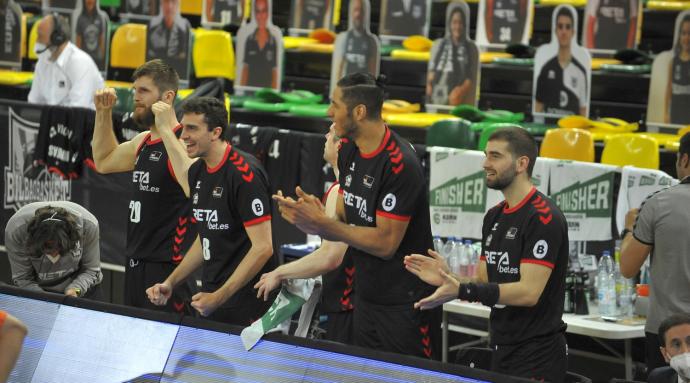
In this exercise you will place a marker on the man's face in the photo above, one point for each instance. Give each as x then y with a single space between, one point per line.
45 28
564 31
195 135
456 26
89 5
677 341
343 124
170 11
499 165
52 248
330 148
685 36
146 93
682 165
357 14
261 12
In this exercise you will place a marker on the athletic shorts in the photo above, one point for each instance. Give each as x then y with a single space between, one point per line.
401 329
140 275
340 327
243 314
543 359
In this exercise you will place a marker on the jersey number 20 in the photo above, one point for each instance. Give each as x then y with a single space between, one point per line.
134 211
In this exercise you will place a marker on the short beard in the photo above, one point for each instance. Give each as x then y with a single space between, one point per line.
502 182
145 120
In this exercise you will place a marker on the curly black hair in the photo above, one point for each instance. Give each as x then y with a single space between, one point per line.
51 223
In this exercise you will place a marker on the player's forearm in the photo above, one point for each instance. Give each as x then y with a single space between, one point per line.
328 257
368 239
518 294
251 264
11 338
191 261
104 141
178 156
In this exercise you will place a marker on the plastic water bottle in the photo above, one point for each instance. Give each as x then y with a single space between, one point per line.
438 244
448 252
465 258
474 259
606 286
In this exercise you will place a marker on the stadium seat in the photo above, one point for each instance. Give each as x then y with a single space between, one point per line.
128 48
631 149
568 144
487 131
571 377
191 7
213 54
33 35
451 134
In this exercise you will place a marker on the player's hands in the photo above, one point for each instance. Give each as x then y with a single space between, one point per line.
165 116
71 293
630 218
105 99
159 293
445 293
306 213
427 268
206 303
267 283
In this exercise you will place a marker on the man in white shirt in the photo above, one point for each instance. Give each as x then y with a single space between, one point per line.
64 75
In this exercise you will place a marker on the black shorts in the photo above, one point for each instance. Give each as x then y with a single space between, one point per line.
140 275
340 327
243 314
544 358
401 329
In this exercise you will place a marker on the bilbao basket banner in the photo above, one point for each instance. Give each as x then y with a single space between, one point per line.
584 193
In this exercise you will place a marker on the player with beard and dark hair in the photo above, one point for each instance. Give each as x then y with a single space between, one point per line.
521 273
382 214
158 228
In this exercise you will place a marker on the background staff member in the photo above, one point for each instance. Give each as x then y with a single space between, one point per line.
561 87
232 211
659 228
158 225
12 333
521 273
337 295
674 336
54 246
383 214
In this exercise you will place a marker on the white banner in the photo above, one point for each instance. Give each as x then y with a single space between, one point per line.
458 196
584 193
636 185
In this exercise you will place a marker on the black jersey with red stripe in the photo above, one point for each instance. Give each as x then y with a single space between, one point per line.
158 227
534 231
388 182
226 200
338 289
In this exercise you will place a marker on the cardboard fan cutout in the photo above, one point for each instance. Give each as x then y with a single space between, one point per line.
168 38
402 18
504 22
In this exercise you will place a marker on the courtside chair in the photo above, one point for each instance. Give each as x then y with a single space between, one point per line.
451 134
213 54
128 48
631 149
568 144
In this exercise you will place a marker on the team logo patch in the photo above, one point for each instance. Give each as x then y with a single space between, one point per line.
368 181
348 180
198 185
155 156
540 249
563 99
511 233
217 192
195 198
257 207
389 202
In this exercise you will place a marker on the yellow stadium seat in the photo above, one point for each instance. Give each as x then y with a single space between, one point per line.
213 54
568 144
682 131
191 7
33 35
631 149
128 48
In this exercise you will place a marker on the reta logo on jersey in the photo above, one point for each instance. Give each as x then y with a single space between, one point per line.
358 203
503 265
211 218
142 178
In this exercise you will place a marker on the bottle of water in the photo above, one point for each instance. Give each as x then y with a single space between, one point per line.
464 251
474 259
626 299
438 244
449 253
606 286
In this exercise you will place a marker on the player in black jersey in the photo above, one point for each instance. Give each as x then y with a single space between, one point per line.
382 214
158 226
329 259
521 274
231 206
678 88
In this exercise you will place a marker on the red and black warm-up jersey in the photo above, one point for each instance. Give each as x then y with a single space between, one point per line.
388 182
227 199
534 231
338 289
158 225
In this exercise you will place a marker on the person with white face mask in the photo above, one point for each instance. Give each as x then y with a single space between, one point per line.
64 75
674 335
54 246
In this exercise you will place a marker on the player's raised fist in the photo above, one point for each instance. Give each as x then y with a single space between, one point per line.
105 99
